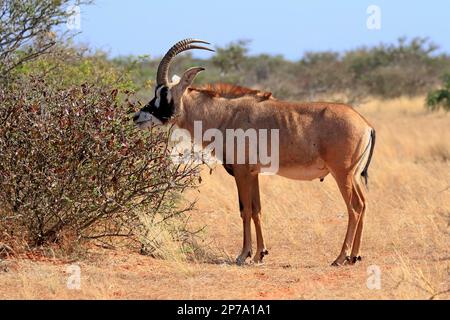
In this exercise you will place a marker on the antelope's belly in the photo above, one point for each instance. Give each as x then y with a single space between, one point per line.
316 170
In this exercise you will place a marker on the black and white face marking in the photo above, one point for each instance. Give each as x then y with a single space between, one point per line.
158 111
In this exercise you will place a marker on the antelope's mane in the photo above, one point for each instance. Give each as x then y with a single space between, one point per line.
230 91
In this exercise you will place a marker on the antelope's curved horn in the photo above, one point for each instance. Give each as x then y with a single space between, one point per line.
162 76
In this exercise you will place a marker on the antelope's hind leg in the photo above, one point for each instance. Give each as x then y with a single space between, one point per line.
354 256
355 207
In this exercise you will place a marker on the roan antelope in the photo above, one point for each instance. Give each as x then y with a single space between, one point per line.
315 139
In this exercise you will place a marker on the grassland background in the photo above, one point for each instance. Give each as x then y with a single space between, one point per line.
406 233
45 78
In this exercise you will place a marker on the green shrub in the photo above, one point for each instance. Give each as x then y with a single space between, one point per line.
27 30
408 67
440 98
72 162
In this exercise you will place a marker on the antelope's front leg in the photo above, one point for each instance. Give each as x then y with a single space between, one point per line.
246 215
261 250
245 206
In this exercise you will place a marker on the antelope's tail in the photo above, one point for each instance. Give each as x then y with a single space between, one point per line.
365 172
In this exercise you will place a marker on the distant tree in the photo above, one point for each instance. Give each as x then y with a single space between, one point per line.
440 98
231 57
320 72
404 68
26 29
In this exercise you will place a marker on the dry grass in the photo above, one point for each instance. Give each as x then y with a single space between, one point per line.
406 233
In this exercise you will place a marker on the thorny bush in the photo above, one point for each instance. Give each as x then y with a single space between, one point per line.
72 162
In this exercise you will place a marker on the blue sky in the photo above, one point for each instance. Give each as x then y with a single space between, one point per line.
287 27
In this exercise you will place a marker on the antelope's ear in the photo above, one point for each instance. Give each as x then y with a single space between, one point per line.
189 76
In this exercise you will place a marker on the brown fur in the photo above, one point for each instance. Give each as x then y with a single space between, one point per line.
229 91
316 139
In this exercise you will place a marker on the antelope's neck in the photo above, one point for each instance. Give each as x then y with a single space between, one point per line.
197 108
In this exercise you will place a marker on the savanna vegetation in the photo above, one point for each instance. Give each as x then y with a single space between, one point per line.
406 68
73 167
76 174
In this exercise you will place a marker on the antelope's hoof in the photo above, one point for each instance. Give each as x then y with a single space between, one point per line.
354 259
243 256
341 261
259 256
